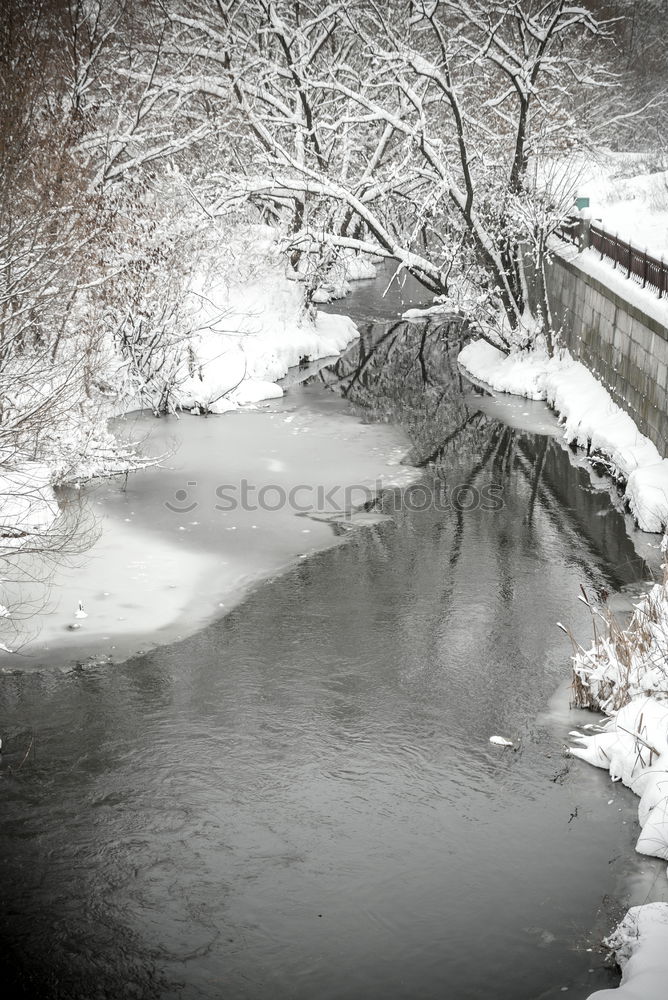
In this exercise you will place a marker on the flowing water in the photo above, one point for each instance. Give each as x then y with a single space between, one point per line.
301 800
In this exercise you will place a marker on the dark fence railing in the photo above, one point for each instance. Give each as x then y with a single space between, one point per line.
638 265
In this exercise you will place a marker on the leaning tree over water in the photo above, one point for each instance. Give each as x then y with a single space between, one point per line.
421 131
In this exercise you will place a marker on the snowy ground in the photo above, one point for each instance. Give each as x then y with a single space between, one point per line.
252 329
639 943
628 192
633 744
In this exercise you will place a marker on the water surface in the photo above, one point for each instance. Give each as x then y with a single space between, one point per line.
301 800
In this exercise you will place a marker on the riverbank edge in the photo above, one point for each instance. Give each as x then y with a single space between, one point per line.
68 657
233 370
267 330
592 421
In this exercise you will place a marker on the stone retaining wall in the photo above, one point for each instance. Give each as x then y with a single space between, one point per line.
623 346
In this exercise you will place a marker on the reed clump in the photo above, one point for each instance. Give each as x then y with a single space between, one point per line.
625 660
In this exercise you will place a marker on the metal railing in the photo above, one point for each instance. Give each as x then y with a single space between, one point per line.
642 267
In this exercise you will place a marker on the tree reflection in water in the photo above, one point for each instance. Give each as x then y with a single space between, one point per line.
407 373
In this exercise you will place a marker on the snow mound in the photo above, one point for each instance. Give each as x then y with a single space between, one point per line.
633 746
358 267
522 374
253 390
647 493
639 944
632 742
248 335
418 315
628 663
27 502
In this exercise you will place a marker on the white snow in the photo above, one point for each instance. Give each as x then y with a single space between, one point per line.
522 374
627 663
246 326
633 746
235 499
358 267
349 266
418 315
647 493
639 943
589 416
628 193
248 334
629 668
254 390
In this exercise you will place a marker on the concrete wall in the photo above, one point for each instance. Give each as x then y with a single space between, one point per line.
623 346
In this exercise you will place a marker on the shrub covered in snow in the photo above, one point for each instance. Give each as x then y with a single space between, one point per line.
625 671
625 661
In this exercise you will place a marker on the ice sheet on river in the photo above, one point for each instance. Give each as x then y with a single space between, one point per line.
229 506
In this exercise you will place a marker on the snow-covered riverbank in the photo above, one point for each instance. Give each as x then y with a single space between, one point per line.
590 420
249 329
236 499
628 671
244 327
246 332
371 663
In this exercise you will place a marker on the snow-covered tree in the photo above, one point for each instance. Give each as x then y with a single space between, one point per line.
640 35
409 129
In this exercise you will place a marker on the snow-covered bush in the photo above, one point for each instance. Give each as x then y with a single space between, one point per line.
625 661
248 321
625 674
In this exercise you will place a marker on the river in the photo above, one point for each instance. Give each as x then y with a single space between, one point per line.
301 800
